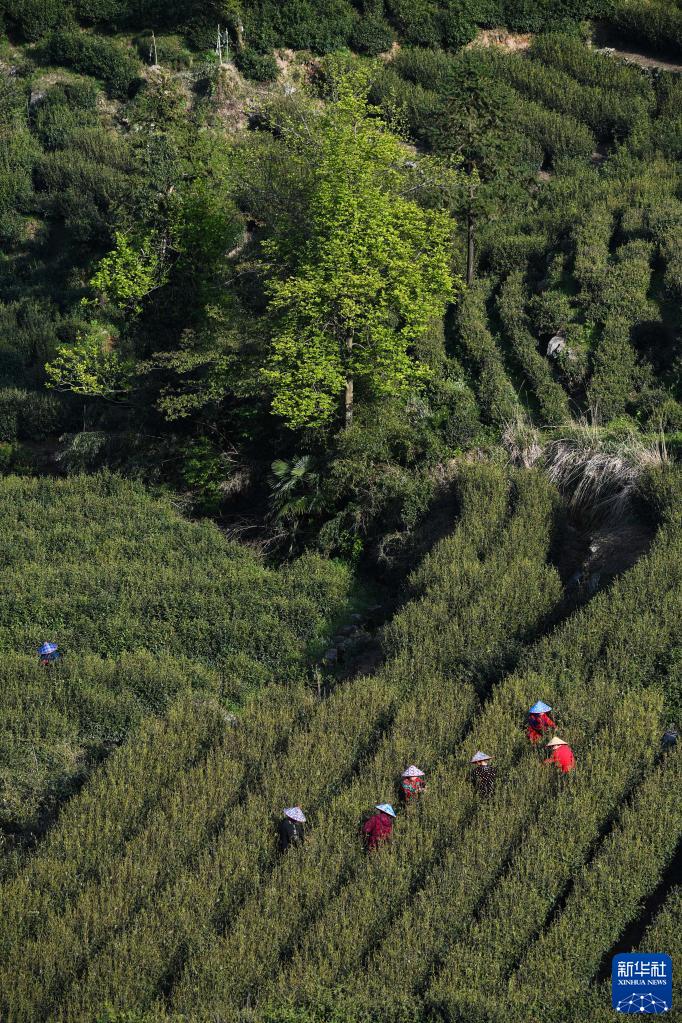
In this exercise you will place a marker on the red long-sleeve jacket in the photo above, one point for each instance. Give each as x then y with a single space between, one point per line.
537 725
377 829
563 757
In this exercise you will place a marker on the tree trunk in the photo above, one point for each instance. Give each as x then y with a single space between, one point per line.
470 249
348 394
348 402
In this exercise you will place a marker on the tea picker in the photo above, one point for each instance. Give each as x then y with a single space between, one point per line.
539 721
483 774
670 737
48 653
379 827
291 830
412 783
561 754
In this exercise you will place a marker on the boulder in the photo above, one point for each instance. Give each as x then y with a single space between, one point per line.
556 345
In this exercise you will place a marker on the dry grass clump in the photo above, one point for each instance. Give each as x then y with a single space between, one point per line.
521 440
597 473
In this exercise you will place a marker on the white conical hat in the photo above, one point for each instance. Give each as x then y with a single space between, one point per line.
295 813
412 772
479 757
556 741
386 808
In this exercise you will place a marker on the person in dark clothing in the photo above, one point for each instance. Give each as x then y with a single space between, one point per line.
291 830
670 737
483 773
48 653
379 827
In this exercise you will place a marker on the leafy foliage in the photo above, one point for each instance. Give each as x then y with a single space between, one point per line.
365 286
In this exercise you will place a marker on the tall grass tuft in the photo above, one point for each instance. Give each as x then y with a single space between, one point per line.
598 473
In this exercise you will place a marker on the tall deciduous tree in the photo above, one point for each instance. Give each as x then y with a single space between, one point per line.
372 271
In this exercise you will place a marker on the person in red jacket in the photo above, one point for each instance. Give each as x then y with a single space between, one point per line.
539 721
412 783
379 827
561 755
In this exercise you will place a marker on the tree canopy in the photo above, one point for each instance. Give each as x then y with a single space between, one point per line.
372 274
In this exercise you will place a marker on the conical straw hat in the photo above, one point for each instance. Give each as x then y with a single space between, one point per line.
556 741
412 772
479 758
295 813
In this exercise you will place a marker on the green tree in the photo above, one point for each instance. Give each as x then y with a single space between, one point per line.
92 365
130 272
371 273
473 129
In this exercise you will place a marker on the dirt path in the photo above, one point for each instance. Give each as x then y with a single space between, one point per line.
605 40
641 59
513 41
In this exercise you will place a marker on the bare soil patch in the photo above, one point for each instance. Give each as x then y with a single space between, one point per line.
514 41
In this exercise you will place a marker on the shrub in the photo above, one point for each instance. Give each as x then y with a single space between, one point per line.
93 55
417 21
9 398
560 136
657 23
102 12
261 67
170 51
569 53
39 415
478 350
372 35
428 68
549 394
526 15
626 869
457 29
504 250
6 455
323 26
488 13
35 18
126 898
18 153
55 124
117 667
613 368
406 104
609 112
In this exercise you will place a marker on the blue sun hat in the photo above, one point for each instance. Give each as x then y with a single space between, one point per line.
386 808
294 813
539 708
47 648
479 758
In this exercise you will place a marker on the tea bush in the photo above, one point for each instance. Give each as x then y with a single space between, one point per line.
143 605
155 925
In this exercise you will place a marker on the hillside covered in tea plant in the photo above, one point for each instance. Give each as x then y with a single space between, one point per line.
340 421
